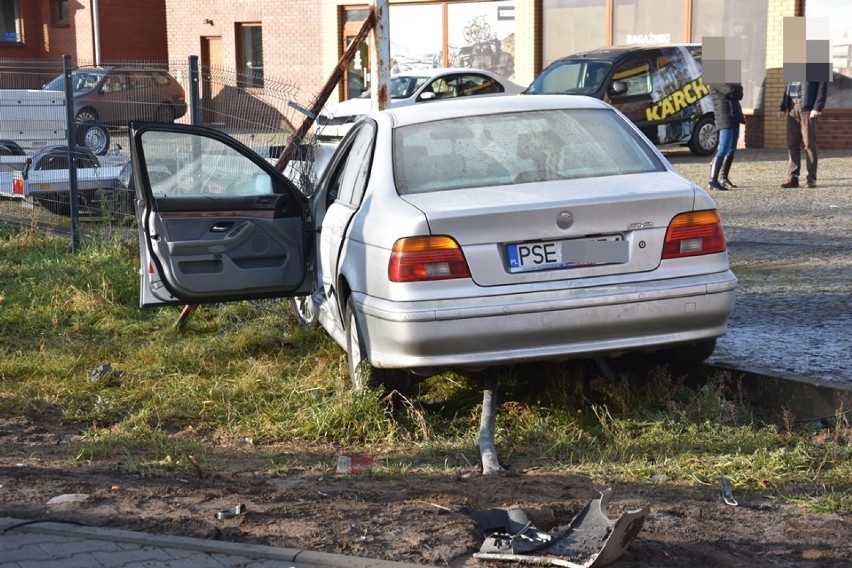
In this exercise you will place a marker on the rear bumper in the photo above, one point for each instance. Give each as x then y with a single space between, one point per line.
507 329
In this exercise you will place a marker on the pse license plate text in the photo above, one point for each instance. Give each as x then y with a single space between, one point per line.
573 253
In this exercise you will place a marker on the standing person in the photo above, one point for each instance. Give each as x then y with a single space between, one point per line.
728 114
802 105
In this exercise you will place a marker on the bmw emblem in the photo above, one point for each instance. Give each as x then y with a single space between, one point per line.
564 219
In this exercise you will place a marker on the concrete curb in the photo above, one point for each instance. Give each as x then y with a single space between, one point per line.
257 551
806 398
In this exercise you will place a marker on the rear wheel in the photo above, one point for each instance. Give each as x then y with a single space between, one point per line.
56 202
689 354
361 372
704 139
11 148
94 136
165 114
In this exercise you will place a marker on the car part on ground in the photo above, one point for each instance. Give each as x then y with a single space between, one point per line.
591 539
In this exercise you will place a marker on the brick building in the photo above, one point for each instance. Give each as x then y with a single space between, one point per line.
48 29
300 41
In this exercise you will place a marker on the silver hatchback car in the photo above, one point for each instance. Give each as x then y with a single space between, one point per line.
463 235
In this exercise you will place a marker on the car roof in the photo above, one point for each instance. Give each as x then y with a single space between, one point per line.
619 51
435 71
473 106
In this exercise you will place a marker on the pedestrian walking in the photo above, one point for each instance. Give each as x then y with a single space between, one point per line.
728 114
802 105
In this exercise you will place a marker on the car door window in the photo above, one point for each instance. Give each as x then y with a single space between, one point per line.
442 87
115 83
475 84
355 170
201 167
637 75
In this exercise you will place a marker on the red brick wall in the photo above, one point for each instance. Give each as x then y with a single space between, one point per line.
292 36
128 30
33 32
133 30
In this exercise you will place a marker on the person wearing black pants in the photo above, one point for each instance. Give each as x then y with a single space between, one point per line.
728 115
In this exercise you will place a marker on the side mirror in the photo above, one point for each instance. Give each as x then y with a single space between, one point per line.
428 96
617 88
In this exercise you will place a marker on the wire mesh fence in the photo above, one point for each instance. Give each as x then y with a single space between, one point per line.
35 139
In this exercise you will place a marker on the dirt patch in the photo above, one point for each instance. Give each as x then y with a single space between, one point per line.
415 516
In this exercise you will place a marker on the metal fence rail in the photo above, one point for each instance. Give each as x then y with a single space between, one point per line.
34 138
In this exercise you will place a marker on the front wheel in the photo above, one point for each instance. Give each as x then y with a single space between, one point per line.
704 138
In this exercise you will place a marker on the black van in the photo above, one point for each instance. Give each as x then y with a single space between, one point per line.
658 87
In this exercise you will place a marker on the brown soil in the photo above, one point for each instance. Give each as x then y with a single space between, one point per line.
413 517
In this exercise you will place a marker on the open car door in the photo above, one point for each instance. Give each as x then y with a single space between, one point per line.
216 221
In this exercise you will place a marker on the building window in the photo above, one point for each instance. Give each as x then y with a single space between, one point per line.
648 21
839 20
250 54
60 12
572 26
744 22
10 22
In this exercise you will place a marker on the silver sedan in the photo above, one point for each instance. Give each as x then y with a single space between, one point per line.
463 235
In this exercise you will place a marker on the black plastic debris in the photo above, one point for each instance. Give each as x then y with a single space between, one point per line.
590 540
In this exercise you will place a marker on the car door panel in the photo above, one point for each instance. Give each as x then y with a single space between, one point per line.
221 227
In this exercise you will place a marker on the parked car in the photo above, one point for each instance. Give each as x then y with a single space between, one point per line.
413 87
462 235
115 96
660 88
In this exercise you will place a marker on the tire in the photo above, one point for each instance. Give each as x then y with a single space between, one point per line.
306 311
361 373
705 139
690 354
93 136
164 114
57 203
86 115
11 148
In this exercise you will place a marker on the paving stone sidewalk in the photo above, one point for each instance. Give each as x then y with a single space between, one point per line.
25 544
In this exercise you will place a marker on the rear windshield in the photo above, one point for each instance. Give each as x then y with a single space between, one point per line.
517 147
570 77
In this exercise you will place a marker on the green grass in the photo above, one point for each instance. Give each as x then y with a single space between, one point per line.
247 371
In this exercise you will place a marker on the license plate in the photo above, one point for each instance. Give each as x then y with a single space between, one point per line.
572 253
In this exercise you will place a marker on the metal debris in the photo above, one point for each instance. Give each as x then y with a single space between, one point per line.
591 539
231 513
727 492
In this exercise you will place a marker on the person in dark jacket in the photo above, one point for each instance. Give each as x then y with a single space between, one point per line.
728 114
802 105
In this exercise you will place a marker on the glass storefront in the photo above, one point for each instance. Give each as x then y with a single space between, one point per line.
745 21
648 21
572 26
474 34
839 13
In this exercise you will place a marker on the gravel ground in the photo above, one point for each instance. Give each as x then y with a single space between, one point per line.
791 250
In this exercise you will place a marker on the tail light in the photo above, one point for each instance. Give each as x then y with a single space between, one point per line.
694 234
18 186
416 259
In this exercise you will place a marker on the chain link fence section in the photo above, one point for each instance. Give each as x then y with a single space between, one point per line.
34 188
